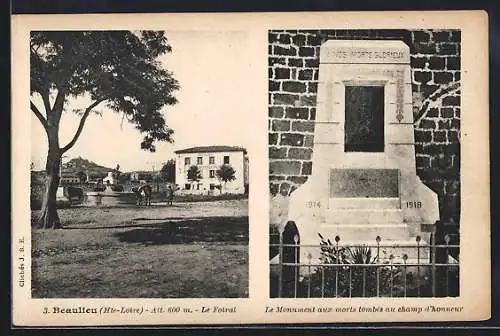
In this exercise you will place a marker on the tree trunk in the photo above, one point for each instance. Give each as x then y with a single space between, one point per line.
49 219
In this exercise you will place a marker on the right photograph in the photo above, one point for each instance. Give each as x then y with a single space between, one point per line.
364 163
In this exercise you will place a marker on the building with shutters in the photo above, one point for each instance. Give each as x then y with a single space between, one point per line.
209 159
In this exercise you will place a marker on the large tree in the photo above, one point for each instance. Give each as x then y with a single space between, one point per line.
82 176
167 172
193 174
226 173
118 69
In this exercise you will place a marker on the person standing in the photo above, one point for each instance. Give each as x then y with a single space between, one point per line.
170 196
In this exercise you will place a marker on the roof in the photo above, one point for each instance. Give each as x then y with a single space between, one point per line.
211 149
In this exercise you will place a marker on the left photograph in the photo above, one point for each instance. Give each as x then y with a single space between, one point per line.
139 171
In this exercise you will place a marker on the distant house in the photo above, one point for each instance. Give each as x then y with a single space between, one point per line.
68 179
95 178
137 176
208 159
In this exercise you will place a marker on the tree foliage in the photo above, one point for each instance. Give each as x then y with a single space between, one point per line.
82 176
123 178
193 174
120 69
226 173
167 172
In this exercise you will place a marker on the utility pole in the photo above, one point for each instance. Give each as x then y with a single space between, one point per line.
155 178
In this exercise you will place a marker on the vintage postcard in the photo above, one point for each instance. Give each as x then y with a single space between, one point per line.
250 168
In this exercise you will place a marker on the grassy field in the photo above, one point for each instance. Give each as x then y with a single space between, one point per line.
192 250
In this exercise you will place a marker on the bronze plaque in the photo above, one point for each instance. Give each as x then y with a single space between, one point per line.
364 183
364 119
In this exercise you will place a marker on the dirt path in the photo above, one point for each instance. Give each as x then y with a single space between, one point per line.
132 215
197 249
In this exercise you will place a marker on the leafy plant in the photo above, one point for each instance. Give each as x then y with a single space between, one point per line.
193 174
167 171
82 176
226 173
355 271
353 277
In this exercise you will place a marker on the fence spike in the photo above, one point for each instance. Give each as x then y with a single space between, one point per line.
397 262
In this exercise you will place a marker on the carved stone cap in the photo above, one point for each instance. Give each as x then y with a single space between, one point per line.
364 52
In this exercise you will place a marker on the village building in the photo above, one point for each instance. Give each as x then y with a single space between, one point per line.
95 178
144 176
69 179
209 159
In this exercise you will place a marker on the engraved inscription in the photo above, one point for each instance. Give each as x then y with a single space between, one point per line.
366 54
359 183
313 204
414 204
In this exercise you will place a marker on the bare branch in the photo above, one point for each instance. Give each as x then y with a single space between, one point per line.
58 103
39 116
82 123
46 100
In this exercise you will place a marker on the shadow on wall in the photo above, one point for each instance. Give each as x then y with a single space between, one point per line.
437 148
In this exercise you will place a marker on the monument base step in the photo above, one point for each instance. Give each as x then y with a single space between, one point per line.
365 232
353 216
365 203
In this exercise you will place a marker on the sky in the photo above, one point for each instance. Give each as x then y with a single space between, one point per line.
214 105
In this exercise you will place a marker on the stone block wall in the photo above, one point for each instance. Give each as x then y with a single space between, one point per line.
293 82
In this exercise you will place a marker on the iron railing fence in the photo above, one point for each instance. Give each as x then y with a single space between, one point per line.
380 269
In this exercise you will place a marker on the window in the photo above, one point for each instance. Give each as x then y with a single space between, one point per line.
187 161
212 186
226 159
212 173
211 160
198 186
199 160
364 119
187 186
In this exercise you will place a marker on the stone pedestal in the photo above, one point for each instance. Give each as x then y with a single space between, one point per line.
364 181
